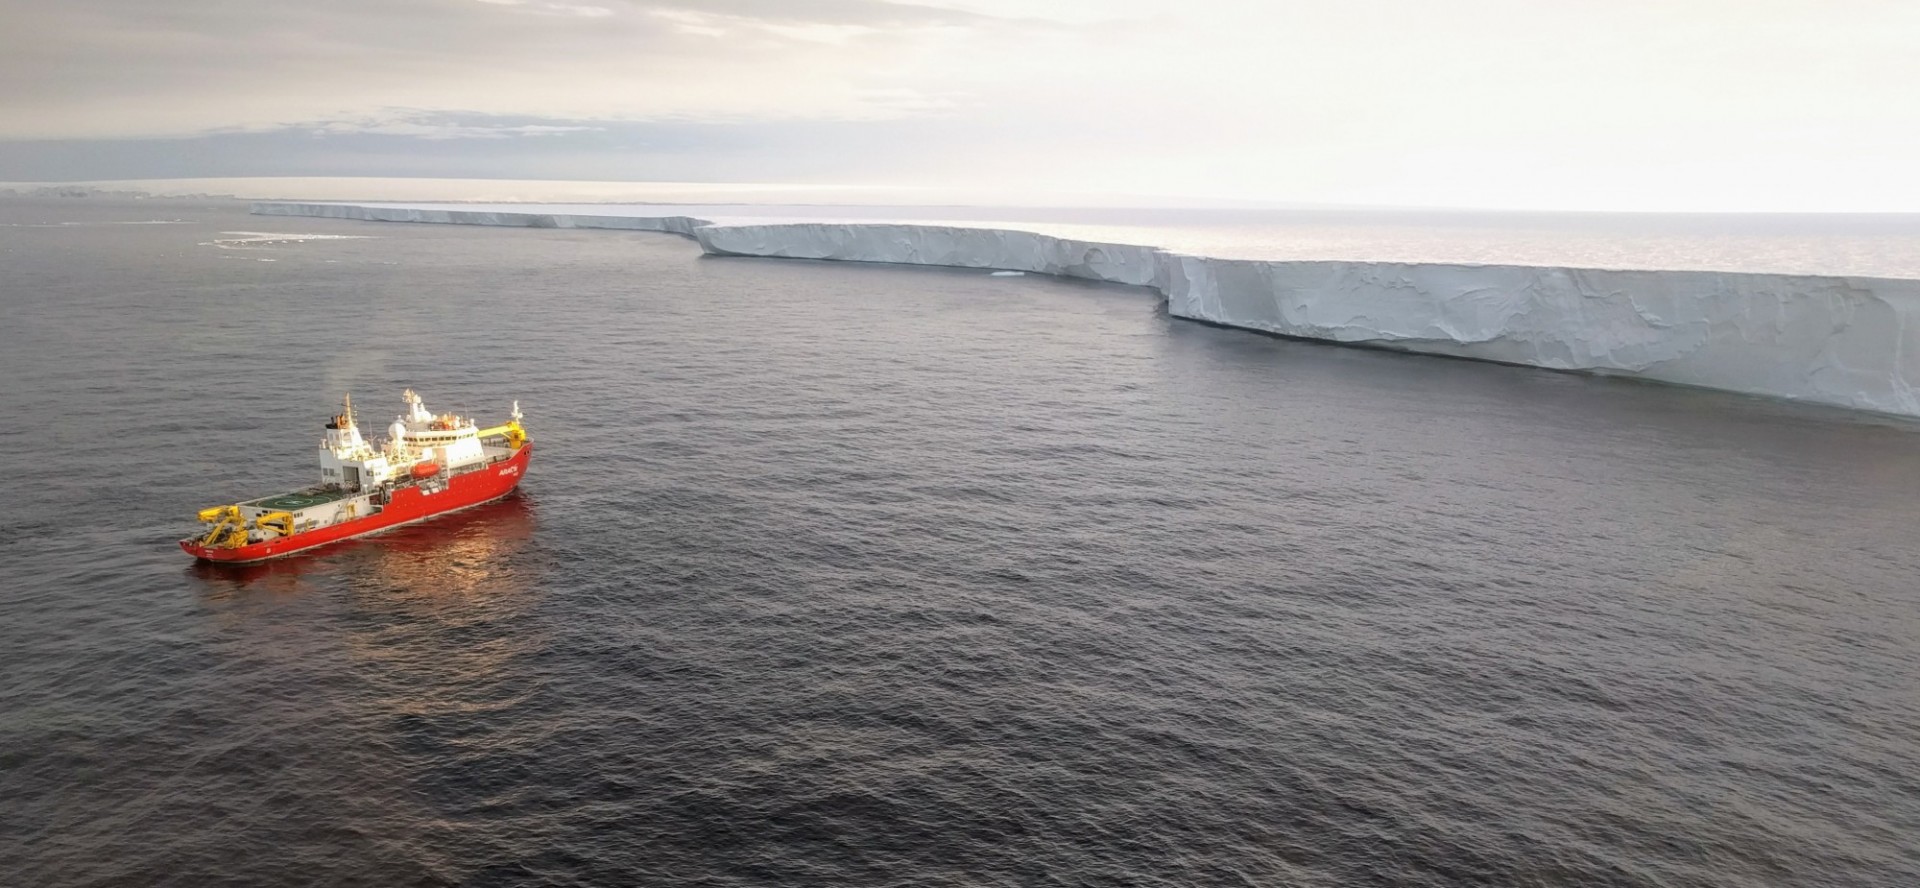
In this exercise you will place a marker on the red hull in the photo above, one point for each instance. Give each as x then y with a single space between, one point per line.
409 505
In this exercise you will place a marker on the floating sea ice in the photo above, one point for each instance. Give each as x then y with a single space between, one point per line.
245 239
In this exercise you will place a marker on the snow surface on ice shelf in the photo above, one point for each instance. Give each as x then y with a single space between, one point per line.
1846 341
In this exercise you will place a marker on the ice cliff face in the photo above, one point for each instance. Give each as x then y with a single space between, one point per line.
937 245
1852 342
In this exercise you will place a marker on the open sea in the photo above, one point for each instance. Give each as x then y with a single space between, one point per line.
831 575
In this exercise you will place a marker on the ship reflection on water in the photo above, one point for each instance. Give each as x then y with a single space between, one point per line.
392 654
440 627
452 554
455 554
444 605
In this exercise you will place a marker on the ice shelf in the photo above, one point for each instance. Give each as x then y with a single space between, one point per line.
1846 341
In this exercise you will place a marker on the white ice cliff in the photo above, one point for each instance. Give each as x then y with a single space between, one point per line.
1846 341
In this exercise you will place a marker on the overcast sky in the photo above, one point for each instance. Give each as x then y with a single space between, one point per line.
1604 104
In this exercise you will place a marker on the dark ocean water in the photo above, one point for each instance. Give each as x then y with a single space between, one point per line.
867 576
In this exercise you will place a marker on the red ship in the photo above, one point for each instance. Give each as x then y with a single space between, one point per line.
429 465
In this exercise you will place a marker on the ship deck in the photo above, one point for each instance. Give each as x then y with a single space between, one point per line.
299 499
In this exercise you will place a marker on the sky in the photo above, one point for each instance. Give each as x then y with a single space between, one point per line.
1742 105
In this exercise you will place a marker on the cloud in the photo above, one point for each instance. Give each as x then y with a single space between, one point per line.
875 14
134 68
1513 102
538 6
431 126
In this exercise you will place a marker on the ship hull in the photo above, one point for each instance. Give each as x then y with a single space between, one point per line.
409 505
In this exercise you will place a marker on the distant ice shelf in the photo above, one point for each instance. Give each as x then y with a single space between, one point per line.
1845 341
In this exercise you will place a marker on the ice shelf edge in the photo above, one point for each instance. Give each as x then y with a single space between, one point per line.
1845 341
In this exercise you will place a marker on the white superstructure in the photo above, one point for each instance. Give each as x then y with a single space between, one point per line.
419 437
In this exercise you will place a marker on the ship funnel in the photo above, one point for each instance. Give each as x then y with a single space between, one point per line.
416 408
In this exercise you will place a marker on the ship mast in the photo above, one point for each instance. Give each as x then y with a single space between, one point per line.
343 434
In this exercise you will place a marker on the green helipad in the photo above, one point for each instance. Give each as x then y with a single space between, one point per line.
294 502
